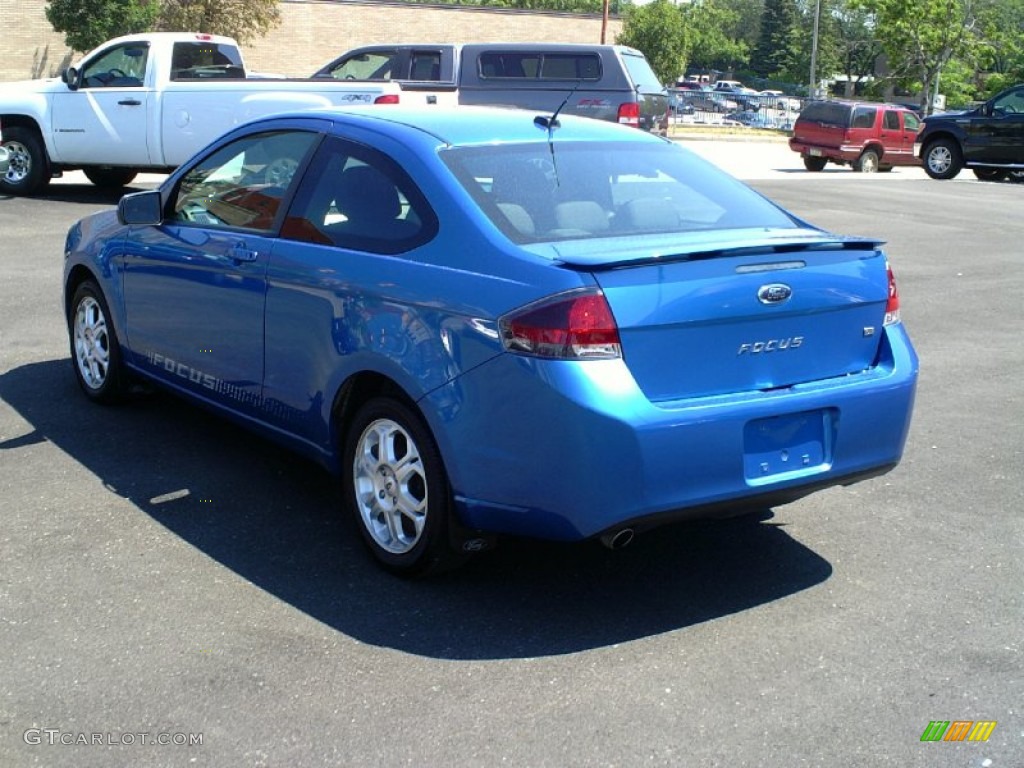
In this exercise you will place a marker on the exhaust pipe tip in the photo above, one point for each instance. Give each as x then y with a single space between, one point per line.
617 539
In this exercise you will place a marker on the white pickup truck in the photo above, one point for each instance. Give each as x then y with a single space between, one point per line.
146 102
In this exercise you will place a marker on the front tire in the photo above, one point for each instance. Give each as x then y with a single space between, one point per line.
814 164
942 159
95 353
29 170
867 162
397 489
110 178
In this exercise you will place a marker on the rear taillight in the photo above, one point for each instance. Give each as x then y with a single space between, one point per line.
892 306
577 326
388 98
629 114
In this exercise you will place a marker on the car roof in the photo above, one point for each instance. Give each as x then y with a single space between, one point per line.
876 104
475 126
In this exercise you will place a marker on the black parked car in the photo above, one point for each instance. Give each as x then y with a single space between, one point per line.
989 139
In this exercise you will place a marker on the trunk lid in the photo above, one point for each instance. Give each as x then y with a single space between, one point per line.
753 318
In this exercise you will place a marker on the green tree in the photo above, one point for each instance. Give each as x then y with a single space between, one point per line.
921 36
87 23
713 30
243 20
658 30
855 46
743 20
779 44
1000 50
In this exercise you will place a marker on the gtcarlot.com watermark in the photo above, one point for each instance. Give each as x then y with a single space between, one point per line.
58 737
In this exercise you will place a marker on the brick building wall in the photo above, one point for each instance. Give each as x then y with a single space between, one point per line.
312 32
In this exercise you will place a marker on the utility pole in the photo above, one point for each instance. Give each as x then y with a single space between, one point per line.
813 87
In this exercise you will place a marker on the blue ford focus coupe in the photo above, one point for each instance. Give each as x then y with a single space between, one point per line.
495 322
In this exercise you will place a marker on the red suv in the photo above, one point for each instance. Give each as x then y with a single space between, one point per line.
869 137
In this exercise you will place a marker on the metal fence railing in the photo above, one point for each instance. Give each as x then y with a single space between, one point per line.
757 110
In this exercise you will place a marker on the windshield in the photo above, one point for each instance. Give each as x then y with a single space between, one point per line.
536 193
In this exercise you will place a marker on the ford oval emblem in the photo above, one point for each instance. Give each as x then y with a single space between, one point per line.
775 293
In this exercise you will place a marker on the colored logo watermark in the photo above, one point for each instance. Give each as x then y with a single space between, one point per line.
958 730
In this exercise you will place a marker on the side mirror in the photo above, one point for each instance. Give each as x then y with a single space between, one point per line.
141 209
72 77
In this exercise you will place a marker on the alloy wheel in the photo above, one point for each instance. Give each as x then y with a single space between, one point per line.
92 343
390 485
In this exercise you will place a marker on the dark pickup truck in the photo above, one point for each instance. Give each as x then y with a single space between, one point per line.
989 139
608 82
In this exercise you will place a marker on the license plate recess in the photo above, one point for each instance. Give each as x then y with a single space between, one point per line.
792 445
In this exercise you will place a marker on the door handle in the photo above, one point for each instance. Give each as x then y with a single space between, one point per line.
130 102
240 253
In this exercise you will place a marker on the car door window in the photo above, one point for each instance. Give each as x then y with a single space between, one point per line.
375 65
123 66
891 120
864 117
426 65
356 198
1011 103
910 122
242 184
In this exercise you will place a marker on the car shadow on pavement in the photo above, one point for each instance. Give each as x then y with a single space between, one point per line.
273 518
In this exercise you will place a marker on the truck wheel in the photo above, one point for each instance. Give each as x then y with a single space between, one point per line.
110 178
942 159
29 170
990 174
814 163
867 162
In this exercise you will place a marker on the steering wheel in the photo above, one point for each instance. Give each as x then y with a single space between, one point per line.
109 76
279 171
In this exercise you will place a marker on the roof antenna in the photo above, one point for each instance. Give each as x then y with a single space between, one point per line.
552 122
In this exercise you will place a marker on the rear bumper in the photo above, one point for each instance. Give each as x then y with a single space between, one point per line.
843 154
569 450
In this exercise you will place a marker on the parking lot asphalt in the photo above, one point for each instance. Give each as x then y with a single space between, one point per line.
164 574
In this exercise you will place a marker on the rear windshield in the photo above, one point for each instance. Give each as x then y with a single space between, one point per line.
537 193
205 60
827 112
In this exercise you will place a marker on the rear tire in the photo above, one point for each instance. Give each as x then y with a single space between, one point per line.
397 489
867 162
95 353
29 170
110 178
814 164
942 159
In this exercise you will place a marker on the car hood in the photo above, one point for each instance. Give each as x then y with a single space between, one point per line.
949 115
33 86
